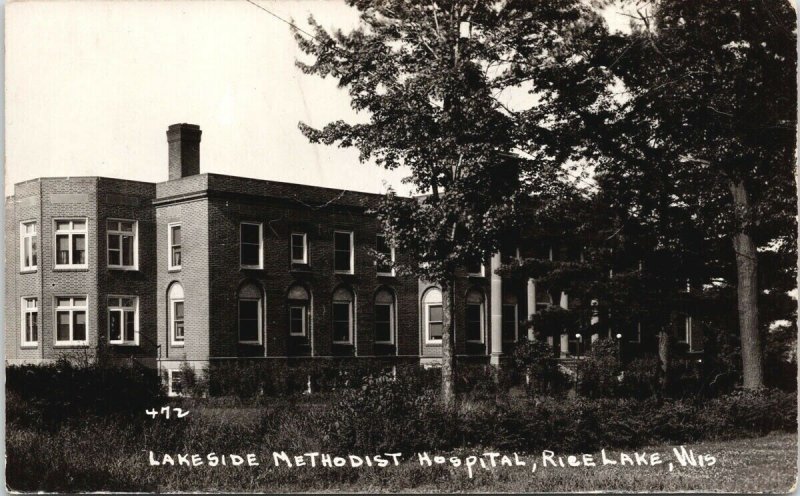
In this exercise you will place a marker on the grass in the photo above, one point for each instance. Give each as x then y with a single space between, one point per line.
111 454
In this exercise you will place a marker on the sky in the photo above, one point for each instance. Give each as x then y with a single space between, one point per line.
91 87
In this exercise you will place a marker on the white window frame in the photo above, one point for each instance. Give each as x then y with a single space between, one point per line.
170 392
352 252
25 239
71 309
392 325
428 338
70 233
24 343
172 340
351 318
686 338
303 260
482 307
391 254
304 313
120 233
516 322
121 309
260 303
482 272
260 264
170 226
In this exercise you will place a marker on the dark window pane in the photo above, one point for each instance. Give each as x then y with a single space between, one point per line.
62 249
251 234
179 310
248 330
79 326
435 331
176 256
127 251
341 321
383 313
341 311
341 331
383 331
435 313
342 260
176 235
62 331
113 257
114 326
176 384
341 241
34 251
130 326
298 247
509 322
473 322
250 255
113 242
78 249
296 320
248 309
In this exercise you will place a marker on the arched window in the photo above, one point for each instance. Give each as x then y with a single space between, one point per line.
384 317
299 303
474 316
177 335
433 316
510 318
251 308
342 316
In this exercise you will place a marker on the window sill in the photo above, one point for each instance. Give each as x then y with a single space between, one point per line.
123 269
300 267
28 346
471 341
343 273
71 345
174 269
29 271
386 274
433 343
81 268
250 267
384 343
250 343
127 345
342 343
303 336
177 345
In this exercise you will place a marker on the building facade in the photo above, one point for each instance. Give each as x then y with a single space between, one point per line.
206 266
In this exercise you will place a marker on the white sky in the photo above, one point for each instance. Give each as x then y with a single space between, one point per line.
92 86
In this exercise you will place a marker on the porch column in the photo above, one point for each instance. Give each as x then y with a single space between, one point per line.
564 301
531 307
496 323
595 320
564 345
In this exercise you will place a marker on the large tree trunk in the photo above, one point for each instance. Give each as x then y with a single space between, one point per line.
747 289
665 355
448 347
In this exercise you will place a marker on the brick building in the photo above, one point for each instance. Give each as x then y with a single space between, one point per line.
207 266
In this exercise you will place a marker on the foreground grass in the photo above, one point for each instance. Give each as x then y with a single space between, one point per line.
104 455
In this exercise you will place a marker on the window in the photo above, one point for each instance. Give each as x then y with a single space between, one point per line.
384 317
543 301
123 322
251 243
70 243
299 248
30 322
71 320
476 270
433 316
343 252
510 319
28 246
637 334
384 249
176 315
250 314
474 317
342 316
122 246
175 382
686 335
298 311
174 240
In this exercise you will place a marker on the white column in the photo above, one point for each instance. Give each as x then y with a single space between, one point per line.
595 320
531 306
564 301
496 323
564 345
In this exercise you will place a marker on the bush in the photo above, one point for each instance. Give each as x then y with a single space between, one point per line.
534 362
54 393
640 378
598 373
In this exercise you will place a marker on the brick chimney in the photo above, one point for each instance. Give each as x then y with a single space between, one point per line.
184 150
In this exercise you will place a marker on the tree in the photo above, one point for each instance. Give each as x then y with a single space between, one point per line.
429 77
713 83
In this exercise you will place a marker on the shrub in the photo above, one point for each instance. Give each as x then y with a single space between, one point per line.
534 362
640 378
598 373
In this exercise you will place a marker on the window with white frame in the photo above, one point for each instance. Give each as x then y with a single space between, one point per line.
686 335
474 316
71 320
510 318
174 240
251 245
177 332
299 248
433 317
384 317
29 246
123 321
386 251
343 252
122 244
342 316
250 314
30 322
175 383
298 302
70 245
476 269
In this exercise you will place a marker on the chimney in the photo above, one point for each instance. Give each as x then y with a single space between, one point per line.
184 150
